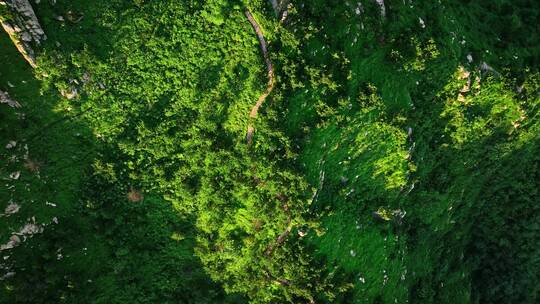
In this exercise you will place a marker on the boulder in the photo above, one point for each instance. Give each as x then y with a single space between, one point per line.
4 98
23 27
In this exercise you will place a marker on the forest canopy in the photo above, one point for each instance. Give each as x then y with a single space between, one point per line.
253 151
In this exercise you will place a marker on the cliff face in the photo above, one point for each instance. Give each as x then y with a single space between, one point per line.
19 20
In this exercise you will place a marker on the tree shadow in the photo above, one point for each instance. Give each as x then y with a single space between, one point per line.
52 154
87 222
504 237
379 58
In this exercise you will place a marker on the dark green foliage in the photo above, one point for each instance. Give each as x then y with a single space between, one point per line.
96 246
395 161
172 99
433 256
45 190
151 250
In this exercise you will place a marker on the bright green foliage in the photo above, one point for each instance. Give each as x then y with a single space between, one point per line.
363 166
396 160
428 148
172 99
96 246
150 250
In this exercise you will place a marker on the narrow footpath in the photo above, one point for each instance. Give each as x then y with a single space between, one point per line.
270 71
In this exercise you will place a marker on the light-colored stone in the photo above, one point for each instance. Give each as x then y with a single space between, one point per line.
11 144
23 28
15 175
12 208
70 93
4 98
31 228
281 8
382 7
7 275
486 68
13 242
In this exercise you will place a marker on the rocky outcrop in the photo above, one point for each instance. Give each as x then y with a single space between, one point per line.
4 98
20 22
27 231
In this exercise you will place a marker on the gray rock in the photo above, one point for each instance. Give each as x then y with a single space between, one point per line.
12 208
23 28
4 98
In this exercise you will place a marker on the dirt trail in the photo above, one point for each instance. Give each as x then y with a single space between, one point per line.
250 130
270 71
